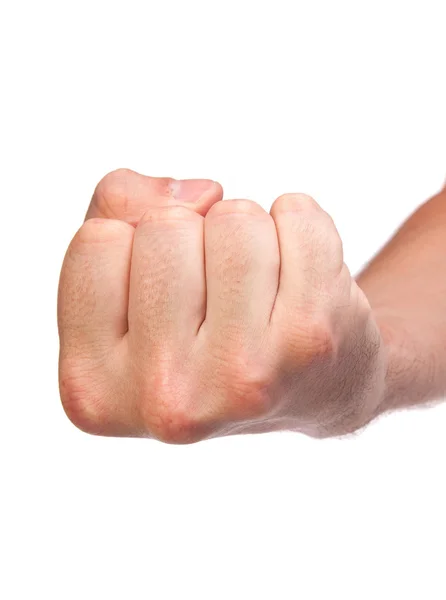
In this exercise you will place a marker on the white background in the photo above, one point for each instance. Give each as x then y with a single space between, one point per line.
341 100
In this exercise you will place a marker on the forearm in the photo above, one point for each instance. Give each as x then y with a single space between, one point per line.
406 287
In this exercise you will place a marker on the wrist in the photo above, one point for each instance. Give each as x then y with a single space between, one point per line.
412 375
358 386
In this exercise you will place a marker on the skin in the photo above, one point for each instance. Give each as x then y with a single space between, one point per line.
182 317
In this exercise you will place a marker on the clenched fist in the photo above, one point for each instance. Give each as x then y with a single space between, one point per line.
184 317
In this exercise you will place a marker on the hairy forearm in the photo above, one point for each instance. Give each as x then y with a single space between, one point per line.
406 287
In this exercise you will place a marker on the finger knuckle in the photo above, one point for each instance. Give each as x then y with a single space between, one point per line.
112 191
166 409
295 203
170 215
315 234
83 399
244 383
236 207
174 424
100 231
122 193
311 340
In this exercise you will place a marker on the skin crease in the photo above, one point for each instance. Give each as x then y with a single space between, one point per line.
182 317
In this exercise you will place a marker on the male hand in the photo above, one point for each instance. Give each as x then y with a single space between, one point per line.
188 320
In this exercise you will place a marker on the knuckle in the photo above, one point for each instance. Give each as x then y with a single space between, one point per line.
98 231
172 412
294 203
315 234
239 207
250 397
244 384
166 409
308 342
174 424
115 183
123 193
112 190
83 400
169 214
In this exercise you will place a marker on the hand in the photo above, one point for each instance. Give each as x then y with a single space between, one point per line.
212 318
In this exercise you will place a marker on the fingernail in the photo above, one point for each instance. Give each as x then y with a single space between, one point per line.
190 190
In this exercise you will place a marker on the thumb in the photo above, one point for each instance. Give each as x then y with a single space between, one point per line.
126 195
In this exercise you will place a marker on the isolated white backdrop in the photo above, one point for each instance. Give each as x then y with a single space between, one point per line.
341 100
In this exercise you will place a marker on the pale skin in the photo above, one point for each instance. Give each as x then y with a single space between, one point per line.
183 317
